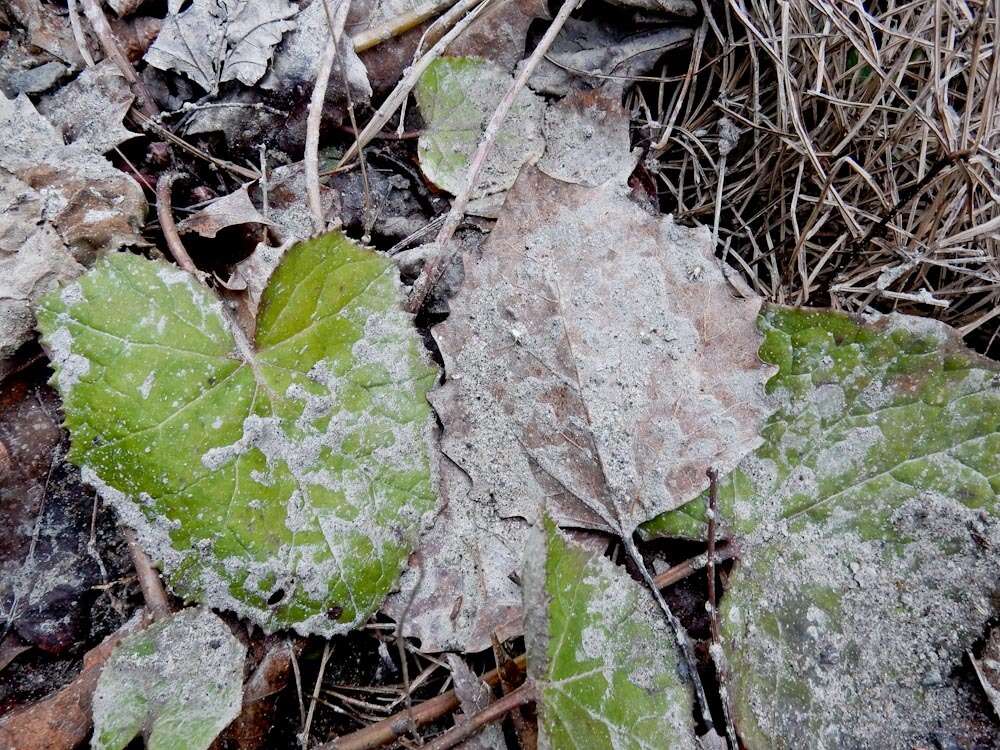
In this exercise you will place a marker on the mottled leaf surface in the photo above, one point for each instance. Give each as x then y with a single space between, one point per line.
60 207
457 96
867 518
285 481
214 41
178 683
597 361
459 587
602 657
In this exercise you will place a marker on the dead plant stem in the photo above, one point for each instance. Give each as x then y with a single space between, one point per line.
493 712
150 584
436 266
336 21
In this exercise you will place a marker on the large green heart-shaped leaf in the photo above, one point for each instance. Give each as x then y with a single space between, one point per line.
179 683
867 522
603 659
286 480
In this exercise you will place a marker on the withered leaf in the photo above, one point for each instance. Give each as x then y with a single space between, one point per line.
90 110
597 361
60 206
214 41
460 586
227 211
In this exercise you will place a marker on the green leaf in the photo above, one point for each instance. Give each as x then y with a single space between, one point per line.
602 657
866 520
457 96
285 481
179 683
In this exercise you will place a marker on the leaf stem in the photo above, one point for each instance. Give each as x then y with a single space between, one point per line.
153 592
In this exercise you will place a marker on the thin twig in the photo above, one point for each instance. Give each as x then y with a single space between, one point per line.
493 712
99 23
399 25
165 213
471 9
436 266
718 657
150 584
336 21
304 736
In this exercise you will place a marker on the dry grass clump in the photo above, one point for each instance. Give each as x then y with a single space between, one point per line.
846 154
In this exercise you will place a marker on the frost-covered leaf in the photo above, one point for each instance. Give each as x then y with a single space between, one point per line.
868 524
603 659
90 110
227 211
178 683
297 59
459 586
214 41
60 207
285 480
587 139
457 96
606 49
597 361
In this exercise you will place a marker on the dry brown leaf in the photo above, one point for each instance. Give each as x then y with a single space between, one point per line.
460 585
597 361
90 109
60 206
587 138
227 211
500 33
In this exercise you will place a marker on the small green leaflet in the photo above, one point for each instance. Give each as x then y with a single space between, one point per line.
178 683
602 657
457 96
868 530
285 481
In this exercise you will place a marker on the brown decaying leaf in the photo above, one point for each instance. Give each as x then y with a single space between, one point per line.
90 110
60 206
46 570
460 585
228 211
63 720
597 361
587 138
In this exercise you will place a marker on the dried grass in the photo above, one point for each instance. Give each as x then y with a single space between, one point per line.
846 155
